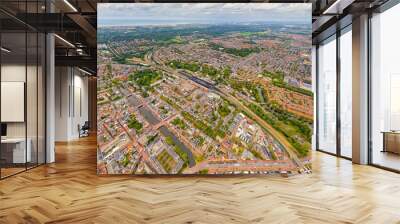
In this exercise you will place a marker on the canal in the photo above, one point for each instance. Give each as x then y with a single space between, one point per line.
167 133
148 115
153 120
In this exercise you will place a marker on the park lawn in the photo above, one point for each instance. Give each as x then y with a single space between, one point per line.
166 161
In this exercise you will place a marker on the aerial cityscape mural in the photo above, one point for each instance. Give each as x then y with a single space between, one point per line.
196 88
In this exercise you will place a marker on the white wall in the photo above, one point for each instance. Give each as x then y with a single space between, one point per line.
71 102
81 84
33 126
12 73
62 81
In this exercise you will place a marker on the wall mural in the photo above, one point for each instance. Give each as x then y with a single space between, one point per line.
195 88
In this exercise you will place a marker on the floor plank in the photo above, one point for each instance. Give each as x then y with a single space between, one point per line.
70 192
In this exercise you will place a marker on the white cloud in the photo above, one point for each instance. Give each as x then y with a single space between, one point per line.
206 11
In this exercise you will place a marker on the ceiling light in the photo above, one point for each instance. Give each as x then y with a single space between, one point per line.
70 5
337 7
86 72
333 6
79 51
5 50
65 41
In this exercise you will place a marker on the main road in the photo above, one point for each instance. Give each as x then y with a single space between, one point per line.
277 135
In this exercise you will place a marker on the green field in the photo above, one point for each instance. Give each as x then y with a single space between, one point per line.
133 123
145 78
182 154
242 52
179 123
166 161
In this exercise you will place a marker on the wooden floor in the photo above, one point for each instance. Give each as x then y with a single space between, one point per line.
70 192
5 172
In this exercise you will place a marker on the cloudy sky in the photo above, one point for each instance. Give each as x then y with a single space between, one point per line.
181 13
